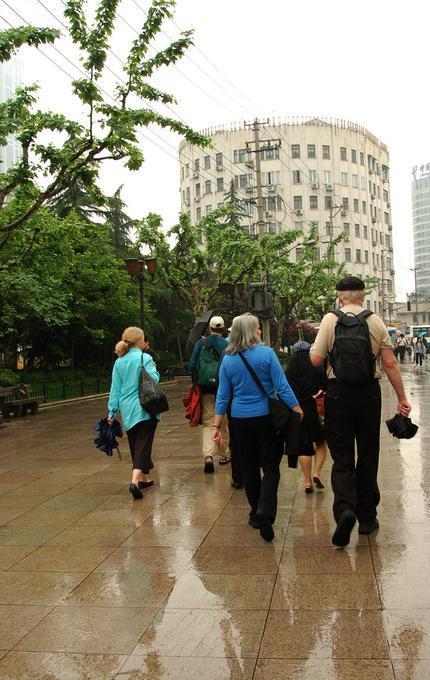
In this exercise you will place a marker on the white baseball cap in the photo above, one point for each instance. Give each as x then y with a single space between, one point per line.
217 322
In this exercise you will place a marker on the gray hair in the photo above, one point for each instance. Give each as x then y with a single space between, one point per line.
352 296
243 334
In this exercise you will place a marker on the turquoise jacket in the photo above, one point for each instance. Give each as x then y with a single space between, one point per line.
124 391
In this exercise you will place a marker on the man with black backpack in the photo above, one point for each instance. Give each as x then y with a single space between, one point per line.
203 368
352 339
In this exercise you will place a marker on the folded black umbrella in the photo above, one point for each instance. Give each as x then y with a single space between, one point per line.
106 439
401 427
196 332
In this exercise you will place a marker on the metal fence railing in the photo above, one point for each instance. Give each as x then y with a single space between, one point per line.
70 389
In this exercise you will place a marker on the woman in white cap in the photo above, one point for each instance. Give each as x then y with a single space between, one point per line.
308 382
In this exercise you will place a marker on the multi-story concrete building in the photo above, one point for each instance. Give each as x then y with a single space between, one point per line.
330 172
10 79
421 222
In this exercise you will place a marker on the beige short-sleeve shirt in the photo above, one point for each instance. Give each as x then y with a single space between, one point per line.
324 341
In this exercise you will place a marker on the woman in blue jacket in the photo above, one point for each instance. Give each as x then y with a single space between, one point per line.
259 446
124 400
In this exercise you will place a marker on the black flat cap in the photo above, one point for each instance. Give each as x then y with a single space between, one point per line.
350 283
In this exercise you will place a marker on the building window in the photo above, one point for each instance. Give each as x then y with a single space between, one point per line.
347 254
353 156
327 176
241 156
311 151
298 226
197 166
328 229
363 183
387 241
343 156
295 150
344 179
269 153
208 209
355 183
219 161
358 255
357 230
387 218
313 202
365 232
182 172
207 162
298 202
366 257
208 186
272 203
356 207
273 177
345 203
313 176
346 228
328 202
187 170
385 195
198 190
299 253
364 207
361 158
187 195
220 184
326 151
381 239
296 176
198 214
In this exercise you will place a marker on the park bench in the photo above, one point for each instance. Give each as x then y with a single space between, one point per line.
16 401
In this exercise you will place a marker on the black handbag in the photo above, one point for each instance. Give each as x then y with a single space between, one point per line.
151 396
280 414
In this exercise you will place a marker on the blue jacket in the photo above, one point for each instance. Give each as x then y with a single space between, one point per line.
235 381
124 391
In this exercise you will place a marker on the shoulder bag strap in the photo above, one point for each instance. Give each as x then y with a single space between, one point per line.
145 375
253 375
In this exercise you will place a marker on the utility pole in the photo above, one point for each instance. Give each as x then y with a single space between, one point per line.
383 296
261 224
415 270
331 223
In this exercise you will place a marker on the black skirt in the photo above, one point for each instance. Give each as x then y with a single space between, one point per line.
311 430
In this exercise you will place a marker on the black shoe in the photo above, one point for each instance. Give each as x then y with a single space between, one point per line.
209 466
254 523
236 485
135 492
343 530
266 529
145 485
368 527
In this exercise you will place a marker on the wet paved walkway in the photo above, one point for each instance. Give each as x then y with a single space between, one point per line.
178 586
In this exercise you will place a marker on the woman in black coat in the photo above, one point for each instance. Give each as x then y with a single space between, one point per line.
308 382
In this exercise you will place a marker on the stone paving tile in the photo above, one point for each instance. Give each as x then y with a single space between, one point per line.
220 591
326 591
60 666
25 587
147 560
195 668
17 620
62 559
335 669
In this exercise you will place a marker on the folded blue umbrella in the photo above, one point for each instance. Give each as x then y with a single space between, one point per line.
106 439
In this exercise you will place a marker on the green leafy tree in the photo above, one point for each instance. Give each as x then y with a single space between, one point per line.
75 150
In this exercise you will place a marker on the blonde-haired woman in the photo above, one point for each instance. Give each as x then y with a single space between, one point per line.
259 446
124 400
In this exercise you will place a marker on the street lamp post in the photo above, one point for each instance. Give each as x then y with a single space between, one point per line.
415 270
136 268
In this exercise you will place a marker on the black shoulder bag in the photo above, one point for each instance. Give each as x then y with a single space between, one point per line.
280 414
151 396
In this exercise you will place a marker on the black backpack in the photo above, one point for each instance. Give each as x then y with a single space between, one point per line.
351 357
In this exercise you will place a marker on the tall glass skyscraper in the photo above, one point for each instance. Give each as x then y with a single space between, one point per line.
10 79
421 222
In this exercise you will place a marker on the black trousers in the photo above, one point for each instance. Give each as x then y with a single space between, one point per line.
259 449
236 473
140 438
353 416
419 359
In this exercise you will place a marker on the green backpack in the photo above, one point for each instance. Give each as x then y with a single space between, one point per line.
207 366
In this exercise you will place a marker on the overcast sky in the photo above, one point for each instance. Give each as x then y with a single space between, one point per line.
365 61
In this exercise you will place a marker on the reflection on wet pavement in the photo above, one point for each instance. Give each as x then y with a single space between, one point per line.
178 586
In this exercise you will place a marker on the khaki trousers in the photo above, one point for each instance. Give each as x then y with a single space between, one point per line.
210 448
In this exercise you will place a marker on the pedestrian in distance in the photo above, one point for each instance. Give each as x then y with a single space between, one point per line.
124 402
203 368
419 352
401 345
308 383
352 339
260 446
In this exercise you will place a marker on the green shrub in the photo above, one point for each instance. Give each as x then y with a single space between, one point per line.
8 378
